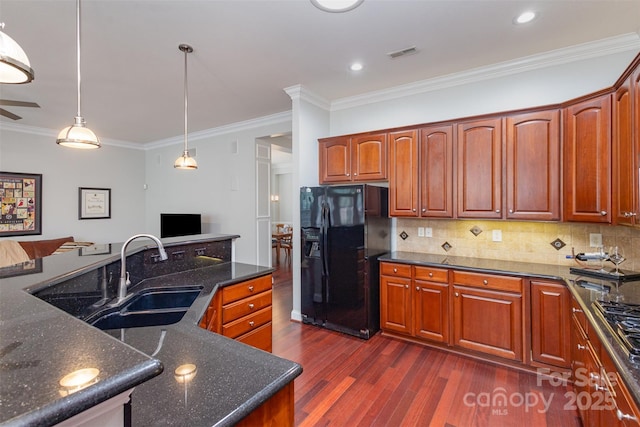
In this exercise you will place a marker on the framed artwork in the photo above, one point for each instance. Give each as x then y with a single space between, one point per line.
21 204
28 267
94 203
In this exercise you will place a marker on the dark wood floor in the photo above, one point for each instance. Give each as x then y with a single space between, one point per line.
347 381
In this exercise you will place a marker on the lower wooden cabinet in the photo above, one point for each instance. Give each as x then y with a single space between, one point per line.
415 301
550 323
487 314
601 396
243 312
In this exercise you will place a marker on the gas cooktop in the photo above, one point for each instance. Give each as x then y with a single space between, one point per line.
623 320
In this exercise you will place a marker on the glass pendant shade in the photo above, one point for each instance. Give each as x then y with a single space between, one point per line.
15 67
185 161
78 136
336 5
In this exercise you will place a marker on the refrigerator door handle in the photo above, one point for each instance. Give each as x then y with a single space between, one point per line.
325 240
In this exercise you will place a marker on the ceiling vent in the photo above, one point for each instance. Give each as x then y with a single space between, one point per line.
403 52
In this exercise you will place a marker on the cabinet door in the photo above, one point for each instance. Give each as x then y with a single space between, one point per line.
587 161
369 157
533 166
335 160
479 162
488 321
431 308
580 366
403 173
395 304
551 323
624 156
436 172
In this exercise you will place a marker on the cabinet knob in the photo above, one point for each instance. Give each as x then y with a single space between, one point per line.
581 347
485 282
395 270
250 288
251 306
510 210
430 274
603 213
348 174
575 310
406 286
424 209
413 210
626 214
252 323
457 294
497 210
417 288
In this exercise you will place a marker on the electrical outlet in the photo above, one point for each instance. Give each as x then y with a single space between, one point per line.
497 235
420 231
595 240
428 232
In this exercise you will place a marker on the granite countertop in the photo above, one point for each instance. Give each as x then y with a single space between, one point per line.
618 291
40 343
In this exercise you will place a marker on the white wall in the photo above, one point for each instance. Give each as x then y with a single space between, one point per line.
222 189
542 86
64 170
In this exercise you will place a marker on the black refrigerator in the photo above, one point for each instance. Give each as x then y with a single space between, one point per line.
344 230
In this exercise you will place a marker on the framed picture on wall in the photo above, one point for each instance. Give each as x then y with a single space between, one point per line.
94 203
20 204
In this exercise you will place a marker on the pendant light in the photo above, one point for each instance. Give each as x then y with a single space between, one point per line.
336 6
78 135
185 161
14 64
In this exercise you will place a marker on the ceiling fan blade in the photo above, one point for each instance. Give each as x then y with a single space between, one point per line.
18 103
8 114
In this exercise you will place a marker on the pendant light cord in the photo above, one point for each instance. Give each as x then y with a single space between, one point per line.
186 101
78 50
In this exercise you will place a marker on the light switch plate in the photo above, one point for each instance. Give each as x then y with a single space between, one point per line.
497 235
428 232
420 231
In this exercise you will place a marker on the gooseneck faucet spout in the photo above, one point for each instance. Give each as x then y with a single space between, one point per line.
124 276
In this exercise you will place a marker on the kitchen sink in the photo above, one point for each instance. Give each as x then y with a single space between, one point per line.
151 307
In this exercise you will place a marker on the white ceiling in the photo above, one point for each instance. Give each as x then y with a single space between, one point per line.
246 52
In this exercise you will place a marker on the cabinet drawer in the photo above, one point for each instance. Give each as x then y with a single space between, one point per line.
246 306
245 289
259 337
247 323
488 281
432 274
393 269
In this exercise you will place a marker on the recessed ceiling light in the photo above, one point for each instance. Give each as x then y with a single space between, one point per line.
336 5
356 66
525 17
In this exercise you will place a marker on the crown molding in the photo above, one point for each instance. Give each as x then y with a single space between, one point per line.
608 46
272 119
50 133
299 92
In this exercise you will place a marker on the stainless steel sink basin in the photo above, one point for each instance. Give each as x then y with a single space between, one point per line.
152 307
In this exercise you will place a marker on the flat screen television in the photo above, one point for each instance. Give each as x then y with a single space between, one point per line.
172 225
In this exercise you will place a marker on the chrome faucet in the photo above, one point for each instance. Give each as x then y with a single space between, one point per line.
124 275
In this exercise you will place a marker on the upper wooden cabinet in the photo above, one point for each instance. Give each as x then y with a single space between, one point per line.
421 172
355 158
479 162
587 161
533 166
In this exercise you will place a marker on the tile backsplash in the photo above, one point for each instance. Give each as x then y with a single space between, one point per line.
539 242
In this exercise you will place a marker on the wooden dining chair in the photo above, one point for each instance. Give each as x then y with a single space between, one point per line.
286 243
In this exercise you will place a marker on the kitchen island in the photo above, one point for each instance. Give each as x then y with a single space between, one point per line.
584 291
40 343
